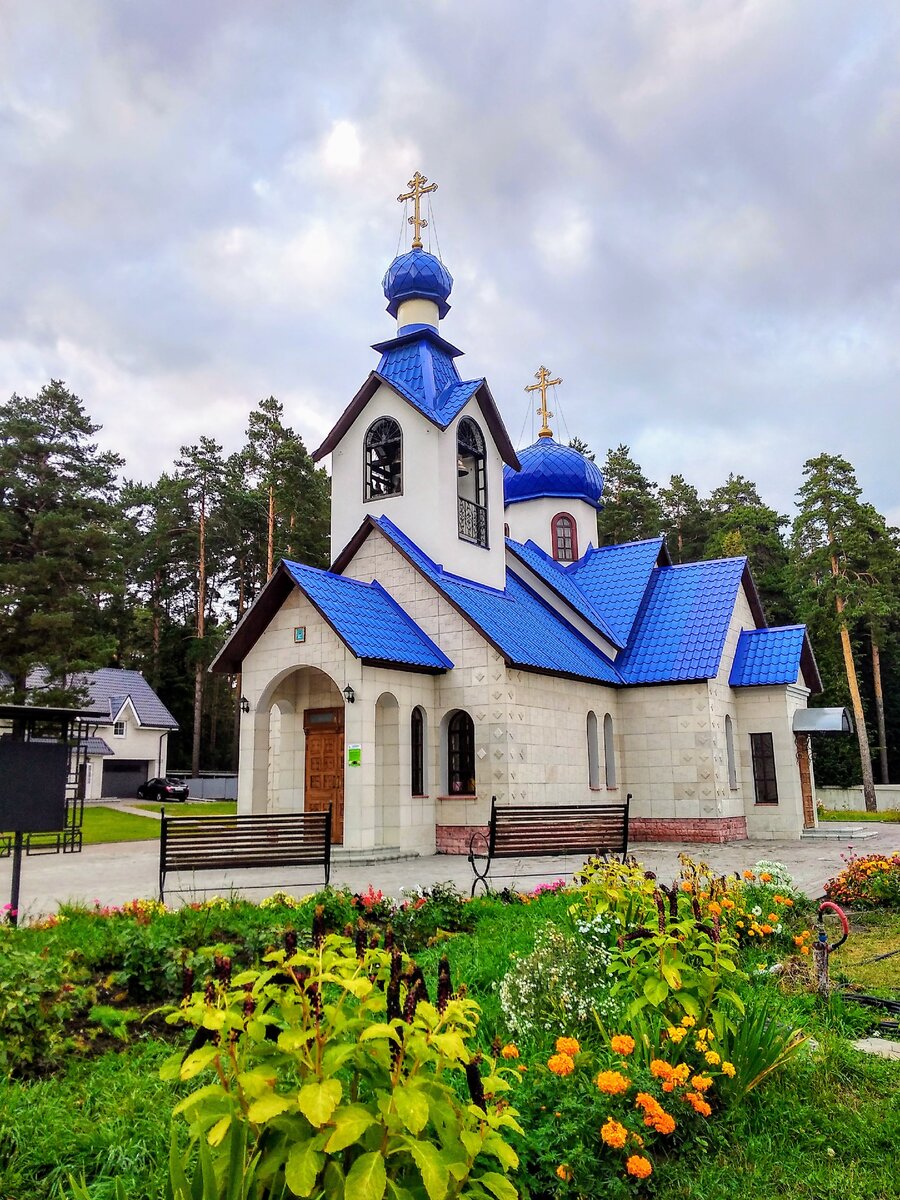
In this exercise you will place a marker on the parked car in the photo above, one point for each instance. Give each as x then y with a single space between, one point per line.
163 789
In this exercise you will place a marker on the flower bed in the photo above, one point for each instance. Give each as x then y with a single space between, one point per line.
597 1032
867 881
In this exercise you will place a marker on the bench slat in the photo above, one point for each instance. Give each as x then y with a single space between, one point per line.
244 841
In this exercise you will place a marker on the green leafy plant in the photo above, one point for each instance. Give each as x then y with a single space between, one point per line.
757 1046
332 1072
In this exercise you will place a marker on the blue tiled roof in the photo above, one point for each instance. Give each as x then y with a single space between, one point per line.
680 630
768 656
417 275
419 364
368 619
549 469
562 581
614 579
526 631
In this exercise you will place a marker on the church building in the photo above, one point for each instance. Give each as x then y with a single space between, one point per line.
471 639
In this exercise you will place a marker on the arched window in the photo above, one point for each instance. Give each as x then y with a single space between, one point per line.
471 483
461 755
564 538
593 749
417 752
609 750
384 455
729 751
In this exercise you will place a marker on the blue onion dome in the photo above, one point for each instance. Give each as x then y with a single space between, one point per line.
549 469
417 275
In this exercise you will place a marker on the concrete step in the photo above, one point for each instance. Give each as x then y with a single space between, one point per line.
827 829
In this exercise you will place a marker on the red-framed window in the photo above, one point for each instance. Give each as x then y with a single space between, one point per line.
564 537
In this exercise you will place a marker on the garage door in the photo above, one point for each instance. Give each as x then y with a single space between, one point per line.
122 778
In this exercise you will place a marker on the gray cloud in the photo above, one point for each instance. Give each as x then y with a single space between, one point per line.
688 210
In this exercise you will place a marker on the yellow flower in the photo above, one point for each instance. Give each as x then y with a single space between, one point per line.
728 1069
674 1034
564 1172
613 1083
712 1058
614 1134
681 1072
701 1083
567 1045
621 1043
706 1034
561 1064
687 1021
638 1166
510 1050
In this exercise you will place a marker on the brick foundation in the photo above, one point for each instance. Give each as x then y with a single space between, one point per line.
687 829
454 839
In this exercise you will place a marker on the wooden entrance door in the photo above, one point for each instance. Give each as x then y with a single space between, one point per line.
324 774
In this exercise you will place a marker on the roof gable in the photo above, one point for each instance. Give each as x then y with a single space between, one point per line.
614 580
364 616
680 631
109 688
515 621
774 656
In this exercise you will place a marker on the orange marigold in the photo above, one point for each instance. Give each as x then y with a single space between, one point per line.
638 1166
697 1103
681 1072
701 1083
660 1069
561 1064
567 1045
648 1103
510 1050
622 1044
613 1083
664 1123
668 1085
614 1134
564 1172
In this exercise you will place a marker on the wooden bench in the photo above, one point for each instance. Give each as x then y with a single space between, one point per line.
537 831
244 842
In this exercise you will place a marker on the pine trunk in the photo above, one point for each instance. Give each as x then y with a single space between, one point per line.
270 534
236 747
201 633
859 716
879 711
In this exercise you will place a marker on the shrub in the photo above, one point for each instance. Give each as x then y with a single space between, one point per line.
867 881
331 1071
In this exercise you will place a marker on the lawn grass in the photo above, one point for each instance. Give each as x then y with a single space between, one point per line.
886 815
871 934
198 808
103 824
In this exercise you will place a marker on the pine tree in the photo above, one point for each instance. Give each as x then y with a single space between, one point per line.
685 520
58 535
740 523
582 447
826 540
631 510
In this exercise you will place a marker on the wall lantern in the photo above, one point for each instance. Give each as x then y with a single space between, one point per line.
349 694
245 704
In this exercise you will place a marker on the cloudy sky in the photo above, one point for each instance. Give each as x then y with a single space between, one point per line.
687 208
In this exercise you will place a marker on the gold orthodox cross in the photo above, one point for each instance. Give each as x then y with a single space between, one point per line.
416 191
543 382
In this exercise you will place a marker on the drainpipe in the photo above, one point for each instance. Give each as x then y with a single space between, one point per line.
159 769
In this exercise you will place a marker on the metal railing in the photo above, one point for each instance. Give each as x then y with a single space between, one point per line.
472 521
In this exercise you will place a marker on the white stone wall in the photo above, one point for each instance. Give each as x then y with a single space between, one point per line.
668 751
771 710
531 519
427 509
852 799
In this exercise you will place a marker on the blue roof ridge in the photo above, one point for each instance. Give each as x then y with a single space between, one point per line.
590 612
563 621
593 550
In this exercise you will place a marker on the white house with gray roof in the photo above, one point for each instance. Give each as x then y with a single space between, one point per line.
129 744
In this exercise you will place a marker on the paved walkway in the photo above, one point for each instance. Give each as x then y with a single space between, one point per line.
119 871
